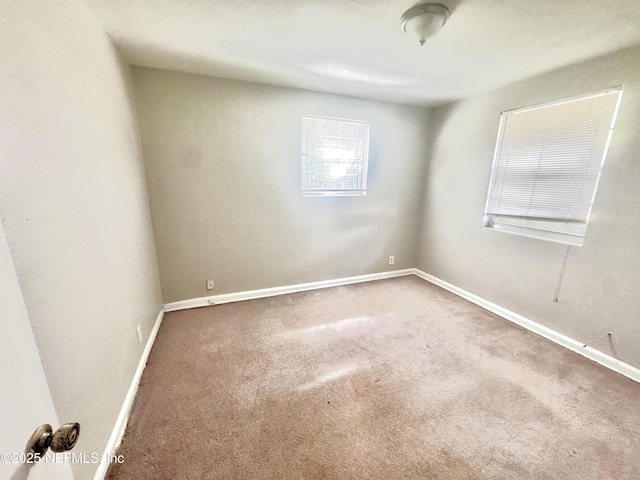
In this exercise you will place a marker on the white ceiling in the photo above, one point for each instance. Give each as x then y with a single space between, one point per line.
356 47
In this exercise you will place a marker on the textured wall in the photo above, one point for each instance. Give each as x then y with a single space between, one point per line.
599 292
223 167
74 207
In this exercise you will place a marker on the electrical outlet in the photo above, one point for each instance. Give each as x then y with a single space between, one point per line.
392 260
210 284
139 333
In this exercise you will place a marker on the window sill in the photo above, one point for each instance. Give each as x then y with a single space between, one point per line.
329 193
555 237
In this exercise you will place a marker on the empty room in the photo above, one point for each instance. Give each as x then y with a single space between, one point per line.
355 239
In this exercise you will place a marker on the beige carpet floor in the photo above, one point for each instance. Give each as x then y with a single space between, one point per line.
393 379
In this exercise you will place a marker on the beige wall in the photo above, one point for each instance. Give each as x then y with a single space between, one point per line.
74 207
599 292
223 171
223 167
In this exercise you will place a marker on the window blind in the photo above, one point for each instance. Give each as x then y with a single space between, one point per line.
549 158
334 156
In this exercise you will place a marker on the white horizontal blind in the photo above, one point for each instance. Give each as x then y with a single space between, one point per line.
335 154
549 158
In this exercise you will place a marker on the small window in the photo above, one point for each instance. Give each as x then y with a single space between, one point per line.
335 153
547 165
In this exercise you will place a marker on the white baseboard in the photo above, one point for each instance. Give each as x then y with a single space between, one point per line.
556 337
125 411
270 292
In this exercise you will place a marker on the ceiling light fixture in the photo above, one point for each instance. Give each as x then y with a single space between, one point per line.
424 21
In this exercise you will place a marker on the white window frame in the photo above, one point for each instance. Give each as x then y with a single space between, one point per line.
350 163
570 232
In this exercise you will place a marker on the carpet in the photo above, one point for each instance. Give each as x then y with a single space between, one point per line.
391 379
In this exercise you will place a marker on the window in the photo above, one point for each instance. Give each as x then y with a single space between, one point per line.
335 153
547 165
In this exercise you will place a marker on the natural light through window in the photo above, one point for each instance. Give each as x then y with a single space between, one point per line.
335 154
547 166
